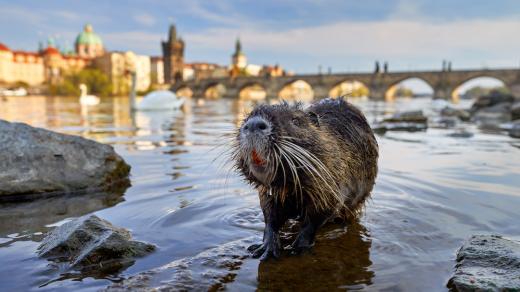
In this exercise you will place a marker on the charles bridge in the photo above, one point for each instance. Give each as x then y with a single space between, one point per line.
445 84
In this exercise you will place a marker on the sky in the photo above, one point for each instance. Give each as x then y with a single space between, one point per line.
345 35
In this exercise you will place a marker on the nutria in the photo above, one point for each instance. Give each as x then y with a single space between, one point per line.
313 165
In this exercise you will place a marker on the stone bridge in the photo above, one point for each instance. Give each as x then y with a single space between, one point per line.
381 85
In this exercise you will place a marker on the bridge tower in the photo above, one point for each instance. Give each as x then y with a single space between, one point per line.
173 55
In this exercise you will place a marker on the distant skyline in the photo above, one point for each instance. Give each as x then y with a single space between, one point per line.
299 35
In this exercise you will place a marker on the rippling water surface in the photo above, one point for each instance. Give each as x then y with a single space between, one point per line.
432 192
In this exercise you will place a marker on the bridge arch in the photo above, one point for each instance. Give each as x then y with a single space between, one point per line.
184 91
479 85
252 91
215 90
349 88
296 90
401 87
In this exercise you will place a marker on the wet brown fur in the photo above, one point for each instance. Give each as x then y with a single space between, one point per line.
341 146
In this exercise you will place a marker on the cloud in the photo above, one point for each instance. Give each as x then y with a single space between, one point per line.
65 15
13 13
220 12
406 9
141 42
145 19
375 39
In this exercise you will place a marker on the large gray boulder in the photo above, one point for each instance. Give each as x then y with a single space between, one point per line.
38 161
91 244
487 263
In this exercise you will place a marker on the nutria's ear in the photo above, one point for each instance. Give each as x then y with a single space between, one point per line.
315 119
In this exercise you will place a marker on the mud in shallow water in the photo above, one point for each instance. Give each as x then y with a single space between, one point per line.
433 191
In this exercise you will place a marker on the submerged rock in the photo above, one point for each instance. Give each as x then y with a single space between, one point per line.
463 115
411 121
92 245
444 122
492 109
515 111
490 100
493 115
207 271
487 263
36 161
515 130
409 116
461 133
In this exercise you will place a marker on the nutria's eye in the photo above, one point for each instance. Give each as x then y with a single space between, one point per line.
296 121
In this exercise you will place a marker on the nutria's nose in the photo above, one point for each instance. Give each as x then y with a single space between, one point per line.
256 124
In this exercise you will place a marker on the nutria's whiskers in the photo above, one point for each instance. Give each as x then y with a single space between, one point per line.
314 167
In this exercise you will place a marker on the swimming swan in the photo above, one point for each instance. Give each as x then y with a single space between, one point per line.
86 99
155 100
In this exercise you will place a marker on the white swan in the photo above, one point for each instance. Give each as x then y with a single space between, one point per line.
155 100
86 99
159 100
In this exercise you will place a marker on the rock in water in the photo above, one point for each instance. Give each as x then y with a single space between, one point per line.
410 117
515 111
493 115
515 130
463 115
91 244
38 161
492 99
210 270
487 263
405 121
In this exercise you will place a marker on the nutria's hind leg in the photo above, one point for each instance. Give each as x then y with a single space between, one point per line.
305 238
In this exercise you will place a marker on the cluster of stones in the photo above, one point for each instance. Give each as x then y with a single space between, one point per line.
37 163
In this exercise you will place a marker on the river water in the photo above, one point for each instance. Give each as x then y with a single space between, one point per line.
433 191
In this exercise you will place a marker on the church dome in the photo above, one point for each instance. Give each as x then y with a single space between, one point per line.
88 37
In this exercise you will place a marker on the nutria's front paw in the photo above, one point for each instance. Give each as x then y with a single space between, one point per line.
265 250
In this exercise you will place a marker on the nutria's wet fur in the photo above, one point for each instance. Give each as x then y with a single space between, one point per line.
313 164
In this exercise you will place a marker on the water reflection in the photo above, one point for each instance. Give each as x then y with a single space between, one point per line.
25 219
340 259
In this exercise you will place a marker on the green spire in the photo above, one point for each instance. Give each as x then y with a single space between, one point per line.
51 43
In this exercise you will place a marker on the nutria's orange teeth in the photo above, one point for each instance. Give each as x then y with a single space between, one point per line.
256 158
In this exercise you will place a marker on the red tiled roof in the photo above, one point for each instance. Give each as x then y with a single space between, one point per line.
4 47
51 50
